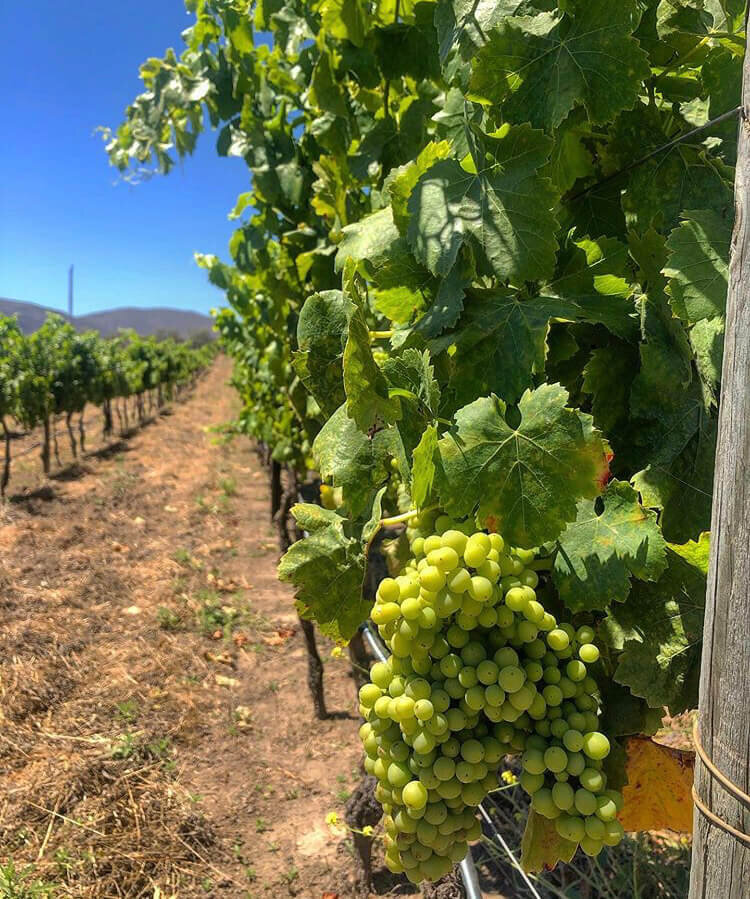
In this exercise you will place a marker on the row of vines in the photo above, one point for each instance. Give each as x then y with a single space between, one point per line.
478 285
57 372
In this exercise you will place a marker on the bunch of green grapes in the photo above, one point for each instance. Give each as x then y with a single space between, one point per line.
478 669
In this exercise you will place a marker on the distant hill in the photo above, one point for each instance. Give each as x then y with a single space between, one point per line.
145 321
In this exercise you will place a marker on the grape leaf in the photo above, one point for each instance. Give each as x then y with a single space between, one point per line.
381 254
401 182
683 490
525 480
352 460
423 467
660 630
327 569
321 337
502 343
624 714
346 20
504 210
599 552
542 847
367 400
698 265
607 377
539 68
658 794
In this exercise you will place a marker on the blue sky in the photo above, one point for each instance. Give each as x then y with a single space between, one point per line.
67 68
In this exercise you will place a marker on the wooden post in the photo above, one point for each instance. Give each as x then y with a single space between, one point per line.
721 862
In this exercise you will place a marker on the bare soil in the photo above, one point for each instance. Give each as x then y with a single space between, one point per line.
156 734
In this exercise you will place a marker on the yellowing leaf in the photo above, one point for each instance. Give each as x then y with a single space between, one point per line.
658 792
542 847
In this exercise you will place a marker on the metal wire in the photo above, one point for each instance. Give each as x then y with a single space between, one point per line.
509 852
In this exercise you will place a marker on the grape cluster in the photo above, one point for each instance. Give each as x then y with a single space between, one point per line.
478 669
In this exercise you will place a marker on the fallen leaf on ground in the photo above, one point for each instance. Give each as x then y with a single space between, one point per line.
240 639
224 681
217 634
279 636
132 610
658 793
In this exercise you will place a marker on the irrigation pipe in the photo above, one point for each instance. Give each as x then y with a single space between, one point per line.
467 867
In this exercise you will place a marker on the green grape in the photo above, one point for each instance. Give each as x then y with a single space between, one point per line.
414 795
585 634
531 782
585 802
605 808
588 653
558 640
573 740
591 847
595 829
511 678
570 827
552 695
467 677
575 670
616 797
487 672
457 637
563 795
592 780
555 759
434 541
533 761
506 657
543 803
613 833
385 613
475 698
472 751
596 745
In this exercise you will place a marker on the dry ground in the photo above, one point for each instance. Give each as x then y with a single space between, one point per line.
156 735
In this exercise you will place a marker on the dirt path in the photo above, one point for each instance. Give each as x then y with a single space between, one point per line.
156 734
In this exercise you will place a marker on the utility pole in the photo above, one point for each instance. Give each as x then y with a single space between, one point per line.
721 858
70 293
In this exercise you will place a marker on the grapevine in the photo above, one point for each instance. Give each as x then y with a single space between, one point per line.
481 268
56 372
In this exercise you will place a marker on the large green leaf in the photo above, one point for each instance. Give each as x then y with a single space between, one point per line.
660 629
327 569
698 265
527 480
367 399
611 540
537 69
321 337
352 460
381 253
504 210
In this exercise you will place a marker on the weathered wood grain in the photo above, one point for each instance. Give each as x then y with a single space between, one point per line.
721 862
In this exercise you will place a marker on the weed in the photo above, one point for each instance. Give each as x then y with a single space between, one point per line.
168 619
128 710
21 884
182 556
228 486
260 825
343 795
291 875
250 874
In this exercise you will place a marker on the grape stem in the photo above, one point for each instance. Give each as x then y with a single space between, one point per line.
397 519
380 335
